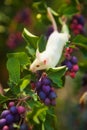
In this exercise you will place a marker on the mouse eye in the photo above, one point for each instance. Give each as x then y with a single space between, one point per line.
37 65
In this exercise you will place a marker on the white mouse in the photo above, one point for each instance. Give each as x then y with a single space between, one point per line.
52 54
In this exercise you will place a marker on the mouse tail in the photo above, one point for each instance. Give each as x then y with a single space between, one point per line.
52 19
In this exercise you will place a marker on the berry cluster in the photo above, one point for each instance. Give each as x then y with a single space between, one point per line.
70 62
23 16
45 91
13 115
77 24
14 40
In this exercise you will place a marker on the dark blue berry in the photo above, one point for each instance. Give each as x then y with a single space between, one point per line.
9 118
2 122
46 81
46 88
47 101
24 127
81 20
5 113
74 60
69 65
64 62
42 95
13 110
38 85
52 95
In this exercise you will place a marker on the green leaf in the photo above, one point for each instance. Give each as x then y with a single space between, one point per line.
3 99
39 113
42 44
81 41
67 10
48 126
56 74
40 6
22 57
13 67
43 116
24 84
31 51
84 51
30 38
70 10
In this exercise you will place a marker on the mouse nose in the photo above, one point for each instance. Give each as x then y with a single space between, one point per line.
32 69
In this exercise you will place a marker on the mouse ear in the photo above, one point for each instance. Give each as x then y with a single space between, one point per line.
37 53
45 61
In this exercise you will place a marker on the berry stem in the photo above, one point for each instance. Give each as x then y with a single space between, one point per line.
23 100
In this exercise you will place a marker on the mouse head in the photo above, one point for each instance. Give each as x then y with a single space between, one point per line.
39 63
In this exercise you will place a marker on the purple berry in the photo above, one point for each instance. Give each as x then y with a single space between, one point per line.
52 95
75 21
38 85
75 68
47 101
9 118
46 81
5 127
77 24
5 113
46 88
72 74
74 60
21 109
24 127
13 110
42 95
69 65
2 122
80 27
11 104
